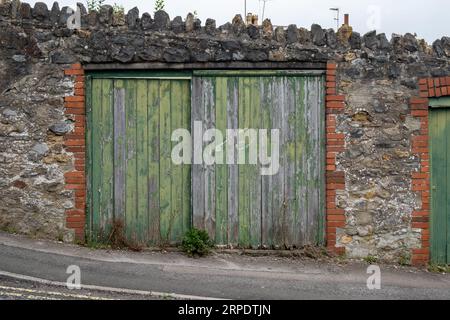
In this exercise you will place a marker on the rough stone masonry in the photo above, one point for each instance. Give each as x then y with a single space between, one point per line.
376 76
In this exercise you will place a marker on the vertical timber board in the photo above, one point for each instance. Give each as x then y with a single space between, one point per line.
320 239
96 157
153 132
176 105
209 117
434 170
107 163
439 167
120 151
186 168
266 181
142 161
278 204
131 159
165 172
254 177
301 162
243 156
198 173
221 167
313 160
289 152
233 171
89 156
318 236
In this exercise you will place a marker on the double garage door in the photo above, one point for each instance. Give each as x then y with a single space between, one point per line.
133 178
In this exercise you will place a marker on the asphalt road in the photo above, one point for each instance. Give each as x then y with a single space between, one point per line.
219 276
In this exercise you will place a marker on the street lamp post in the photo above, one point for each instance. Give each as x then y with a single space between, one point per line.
245 10
337 17
264 9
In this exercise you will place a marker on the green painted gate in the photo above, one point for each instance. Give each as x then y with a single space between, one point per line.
235 203
440 179
131 176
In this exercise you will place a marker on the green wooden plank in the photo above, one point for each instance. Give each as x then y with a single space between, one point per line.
278 199
290 153
443 187
244 122
96 157
233 170
266 180
89 157
320 239
176 105
209 114
254 177
107 148
311 161
153 159
131 160
165 169
434 170
301 162
314 142
142 161
221 169
186 168
198 170
120 150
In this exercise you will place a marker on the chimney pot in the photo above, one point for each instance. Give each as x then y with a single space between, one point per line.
255 20
249 18
347 19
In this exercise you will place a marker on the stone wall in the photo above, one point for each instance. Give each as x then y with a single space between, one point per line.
377 77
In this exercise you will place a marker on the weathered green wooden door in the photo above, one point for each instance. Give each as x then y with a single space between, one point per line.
234 202
440 180
131 177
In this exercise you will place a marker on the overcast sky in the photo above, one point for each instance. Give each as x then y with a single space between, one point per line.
428 18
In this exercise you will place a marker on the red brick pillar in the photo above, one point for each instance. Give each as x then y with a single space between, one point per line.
75 143
335 143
